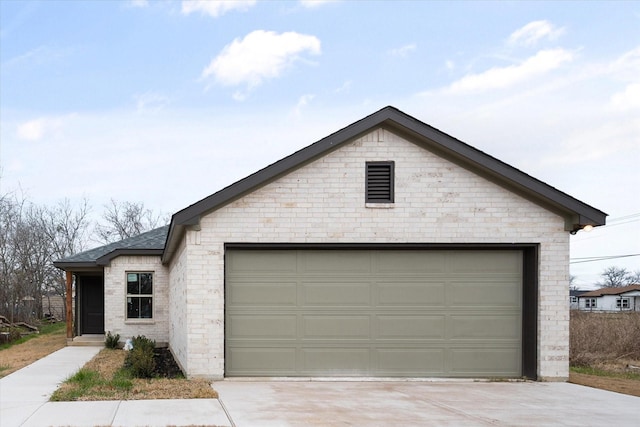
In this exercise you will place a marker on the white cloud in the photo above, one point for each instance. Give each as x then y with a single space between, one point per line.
259 56
150 102
139 3
38 129
315 3
346 86
530 34
303 101
403 51
216 8
502 77
628 99
596 142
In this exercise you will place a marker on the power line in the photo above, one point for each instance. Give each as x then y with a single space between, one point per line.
599 258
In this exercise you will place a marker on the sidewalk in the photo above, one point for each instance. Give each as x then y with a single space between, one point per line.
24 400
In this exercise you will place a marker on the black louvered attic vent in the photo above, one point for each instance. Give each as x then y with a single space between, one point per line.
379 184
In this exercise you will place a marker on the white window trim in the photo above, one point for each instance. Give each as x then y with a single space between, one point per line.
623 303
136 320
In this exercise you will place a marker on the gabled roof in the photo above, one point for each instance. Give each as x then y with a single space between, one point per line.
611 291
576 213
148 243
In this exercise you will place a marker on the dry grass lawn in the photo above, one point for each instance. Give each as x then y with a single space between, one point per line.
21 355
606 344
103 379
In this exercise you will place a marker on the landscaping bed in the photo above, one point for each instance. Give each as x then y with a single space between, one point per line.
105 377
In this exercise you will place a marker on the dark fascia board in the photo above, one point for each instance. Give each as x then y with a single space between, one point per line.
77 266
106 258
579 213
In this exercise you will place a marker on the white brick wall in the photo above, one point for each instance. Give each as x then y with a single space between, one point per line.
178 309
436 201
115 289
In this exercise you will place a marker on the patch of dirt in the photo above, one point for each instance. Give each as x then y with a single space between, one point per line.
166 366
21 355
619 385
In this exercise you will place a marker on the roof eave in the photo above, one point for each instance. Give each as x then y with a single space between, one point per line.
106 258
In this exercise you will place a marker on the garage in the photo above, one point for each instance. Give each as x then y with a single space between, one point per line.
382 312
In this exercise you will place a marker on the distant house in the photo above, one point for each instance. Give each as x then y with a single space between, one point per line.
625 298
573 297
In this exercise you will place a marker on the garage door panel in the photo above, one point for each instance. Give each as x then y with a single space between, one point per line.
485 362
506 293
336 327
345 262
374 313
334 361
486 262
259 262
254 361
413 293
416 327
479 327
257 326
409 263
410 361
336 293
262 293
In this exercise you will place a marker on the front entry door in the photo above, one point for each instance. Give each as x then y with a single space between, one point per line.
91 305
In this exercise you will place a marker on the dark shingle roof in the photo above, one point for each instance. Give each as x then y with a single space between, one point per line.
148 243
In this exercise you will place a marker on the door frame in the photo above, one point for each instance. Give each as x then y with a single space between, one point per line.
85 281
530 280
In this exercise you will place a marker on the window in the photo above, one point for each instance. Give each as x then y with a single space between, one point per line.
139 295
590 302
622 303
379 182
573 299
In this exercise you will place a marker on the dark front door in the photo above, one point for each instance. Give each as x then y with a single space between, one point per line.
91 305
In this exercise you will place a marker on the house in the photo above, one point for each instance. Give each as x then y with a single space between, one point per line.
573 297
625 298
386 249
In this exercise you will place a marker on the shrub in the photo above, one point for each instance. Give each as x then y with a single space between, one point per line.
140 359
112 340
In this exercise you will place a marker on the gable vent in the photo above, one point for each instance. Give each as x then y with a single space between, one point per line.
379 182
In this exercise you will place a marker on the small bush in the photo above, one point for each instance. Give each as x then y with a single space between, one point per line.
140 359
112 340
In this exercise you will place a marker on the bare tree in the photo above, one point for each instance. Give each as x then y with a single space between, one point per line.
31 238
634 278
65 228
614 277
572 282
126 219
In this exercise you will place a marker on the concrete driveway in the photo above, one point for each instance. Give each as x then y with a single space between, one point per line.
317 403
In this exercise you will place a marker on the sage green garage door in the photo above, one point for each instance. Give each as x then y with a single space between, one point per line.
374 313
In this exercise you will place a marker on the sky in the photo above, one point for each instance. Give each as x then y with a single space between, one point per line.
166 102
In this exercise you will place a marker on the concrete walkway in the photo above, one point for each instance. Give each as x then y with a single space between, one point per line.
24 400
246 403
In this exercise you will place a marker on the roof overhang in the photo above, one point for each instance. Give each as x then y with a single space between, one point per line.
105 259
